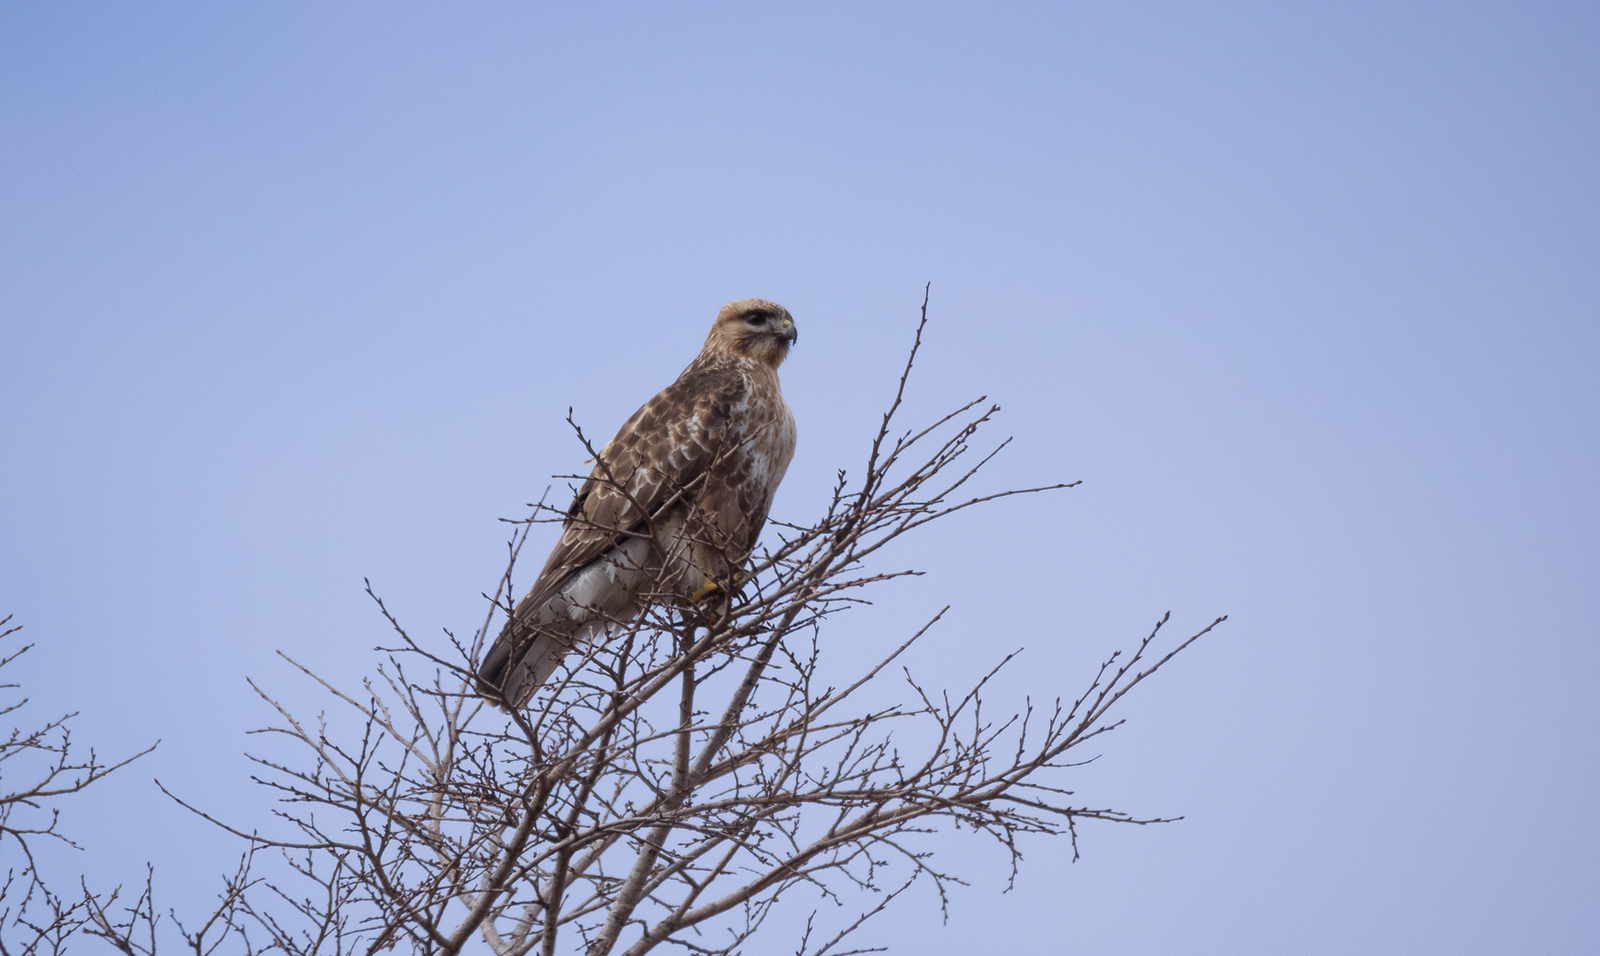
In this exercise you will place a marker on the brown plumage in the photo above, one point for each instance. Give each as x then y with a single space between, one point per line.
674 504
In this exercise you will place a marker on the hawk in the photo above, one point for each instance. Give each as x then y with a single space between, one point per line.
672 507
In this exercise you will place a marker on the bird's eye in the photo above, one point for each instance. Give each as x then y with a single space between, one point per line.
756 318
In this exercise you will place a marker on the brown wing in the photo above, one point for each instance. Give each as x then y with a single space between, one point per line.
661 455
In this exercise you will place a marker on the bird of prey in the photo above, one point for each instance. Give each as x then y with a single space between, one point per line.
673 506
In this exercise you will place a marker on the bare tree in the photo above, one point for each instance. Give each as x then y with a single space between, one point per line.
674 781
33 917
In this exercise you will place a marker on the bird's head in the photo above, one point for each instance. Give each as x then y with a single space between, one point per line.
757 328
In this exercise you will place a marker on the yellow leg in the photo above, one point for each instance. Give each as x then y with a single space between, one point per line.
711 587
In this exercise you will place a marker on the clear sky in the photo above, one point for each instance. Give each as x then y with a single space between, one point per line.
1307 296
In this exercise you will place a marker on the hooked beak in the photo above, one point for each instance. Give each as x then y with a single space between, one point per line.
790 333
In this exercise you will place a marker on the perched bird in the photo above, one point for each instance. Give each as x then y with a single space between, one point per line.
673 506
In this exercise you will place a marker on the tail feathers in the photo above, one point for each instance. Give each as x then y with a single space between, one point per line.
540 633
518 663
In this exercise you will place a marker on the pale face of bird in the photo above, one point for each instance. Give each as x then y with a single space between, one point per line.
757 328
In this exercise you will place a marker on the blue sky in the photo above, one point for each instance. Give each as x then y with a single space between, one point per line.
1307 296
